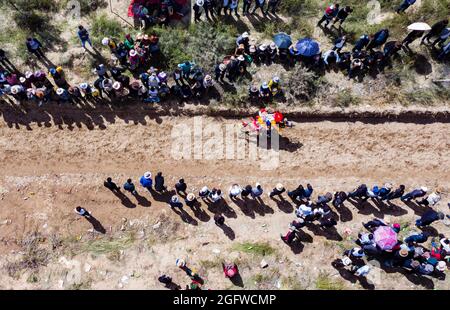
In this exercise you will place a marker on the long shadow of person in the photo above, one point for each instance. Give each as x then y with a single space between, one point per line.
296 246
417 279
199 213
345 214
243 204
173 286
393 209
283 204
142 201
418 209
124 199
222 207
161 196
349 276
261 208
185 217
364 207
330 233
228 231
96 224
237 280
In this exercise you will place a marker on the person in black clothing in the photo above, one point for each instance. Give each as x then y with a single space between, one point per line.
190 200
391 49
181 187
375 223
246 191
159 182
342 15
209 9
339 198
294 228
272 6
4 60
360 192
35 47
298 192
436 30
411 37
111 185
220 70
198 10
429 217
246 7
277 191
398 193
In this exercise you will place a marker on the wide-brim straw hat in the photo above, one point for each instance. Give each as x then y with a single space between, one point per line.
241 58
424 188
84 85
388 185
263 47
59 91
133 53
105 41
222 67
441 266
208 77
245 35
200 2
264 85
28 74
174 199
279 186
38 73
190 197
146 37
15 89
252 49
148 175
272 46
180 262
22 79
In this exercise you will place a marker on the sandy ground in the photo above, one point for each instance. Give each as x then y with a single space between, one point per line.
48 169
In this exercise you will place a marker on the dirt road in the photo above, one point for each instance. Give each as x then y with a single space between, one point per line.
48 169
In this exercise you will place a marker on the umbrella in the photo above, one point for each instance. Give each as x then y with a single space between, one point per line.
385 237
278 117
282 40
419 26
307 47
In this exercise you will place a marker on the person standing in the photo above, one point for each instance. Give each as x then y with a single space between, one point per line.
246 7
129 187
404 5
435 30
445 51
83 35
330 13
198 7
272 6
257 191
4 59
181 187
429 217
342 15
259 4
109 184
190 200
246 192
82 212
159 183
431 199
175 202
235 191
234 7
35 47
339 43
417 193
443 36
339 198
277 191
298 192
146 180
411 37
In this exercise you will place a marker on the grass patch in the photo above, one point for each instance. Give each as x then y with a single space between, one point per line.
85 285
103 26
345 99
303 85
109 246
258 248
209 264
291 283
324 282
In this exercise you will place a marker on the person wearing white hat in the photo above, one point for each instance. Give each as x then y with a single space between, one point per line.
204 192
257 191
441 266
264 91
272 52
219 71
175 202
63 95
146 180
384 191
215 195
190 200
274 86
355 66
116 86
207 82
445 244
234 7
262 53
235 191
198 7
432 199
253 93
294 229
416 193
277 191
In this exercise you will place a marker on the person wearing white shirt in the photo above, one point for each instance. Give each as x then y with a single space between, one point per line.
235 190
431 199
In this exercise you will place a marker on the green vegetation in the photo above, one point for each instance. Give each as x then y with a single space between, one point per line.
86 6
257 248
108 246
345 99
302 85
291 283
324 282
103 26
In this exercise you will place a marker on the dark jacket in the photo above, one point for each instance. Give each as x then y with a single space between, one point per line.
159 183
438 27
181 187
429 217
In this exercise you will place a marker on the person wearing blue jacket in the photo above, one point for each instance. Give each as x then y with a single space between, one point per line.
361 43
379 39
146 180
417 193
404 5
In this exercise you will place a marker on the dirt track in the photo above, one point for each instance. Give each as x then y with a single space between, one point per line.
47 170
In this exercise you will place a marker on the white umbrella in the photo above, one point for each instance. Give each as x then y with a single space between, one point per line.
419 26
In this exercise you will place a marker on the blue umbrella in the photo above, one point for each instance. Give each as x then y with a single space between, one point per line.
307 47
282 40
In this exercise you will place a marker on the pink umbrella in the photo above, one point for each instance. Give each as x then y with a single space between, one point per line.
385 237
